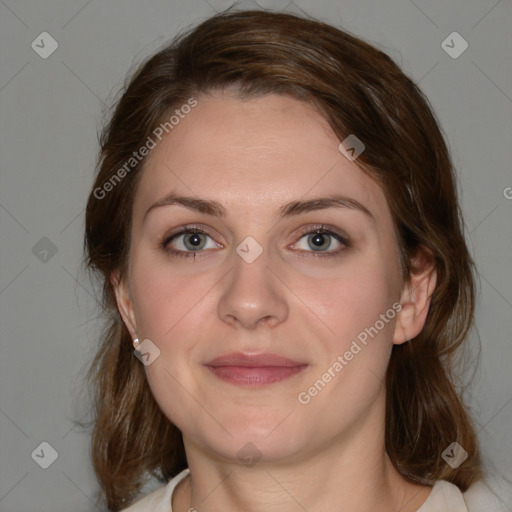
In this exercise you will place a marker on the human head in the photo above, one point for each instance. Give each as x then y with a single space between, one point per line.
358 90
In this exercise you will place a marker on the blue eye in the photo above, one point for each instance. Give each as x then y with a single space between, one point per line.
191 241
320 241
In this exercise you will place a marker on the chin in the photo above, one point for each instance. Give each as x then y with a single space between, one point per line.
249 450
269 439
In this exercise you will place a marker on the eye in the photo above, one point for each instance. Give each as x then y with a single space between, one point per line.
322 242
188 242
191 241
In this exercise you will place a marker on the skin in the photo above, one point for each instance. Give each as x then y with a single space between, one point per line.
253 156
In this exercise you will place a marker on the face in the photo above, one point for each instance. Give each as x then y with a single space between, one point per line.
296 258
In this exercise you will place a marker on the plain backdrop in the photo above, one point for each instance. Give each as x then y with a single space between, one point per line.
51 111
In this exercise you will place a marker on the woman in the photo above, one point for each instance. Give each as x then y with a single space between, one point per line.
276 225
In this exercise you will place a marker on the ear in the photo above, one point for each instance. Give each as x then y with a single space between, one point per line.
124 302
415 299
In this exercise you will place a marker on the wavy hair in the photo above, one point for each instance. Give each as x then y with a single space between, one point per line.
359 90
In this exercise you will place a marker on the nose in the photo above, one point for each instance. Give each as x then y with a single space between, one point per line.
253 295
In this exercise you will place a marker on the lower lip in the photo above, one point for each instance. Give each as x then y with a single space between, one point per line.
255 376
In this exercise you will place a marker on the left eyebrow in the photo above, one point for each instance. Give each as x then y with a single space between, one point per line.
214 208
322 203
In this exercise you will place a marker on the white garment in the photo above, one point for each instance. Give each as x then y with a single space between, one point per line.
495 495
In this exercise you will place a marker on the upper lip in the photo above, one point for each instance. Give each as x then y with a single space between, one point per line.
253 360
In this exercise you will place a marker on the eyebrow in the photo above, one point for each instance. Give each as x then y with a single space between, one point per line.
214 208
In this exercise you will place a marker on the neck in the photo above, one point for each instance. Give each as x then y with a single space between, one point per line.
349 474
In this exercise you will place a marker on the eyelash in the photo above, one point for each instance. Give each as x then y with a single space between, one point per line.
309 231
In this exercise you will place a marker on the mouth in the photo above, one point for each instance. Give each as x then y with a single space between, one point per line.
254 370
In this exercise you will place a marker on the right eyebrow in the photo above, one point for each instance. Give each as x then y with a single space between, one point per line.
208 206
214 208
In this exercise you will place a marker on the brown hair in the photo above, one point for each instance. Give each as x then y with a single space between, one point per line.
359 90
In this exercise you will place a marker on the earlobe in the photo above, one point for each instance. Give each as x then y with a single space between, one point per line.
124 302
415 299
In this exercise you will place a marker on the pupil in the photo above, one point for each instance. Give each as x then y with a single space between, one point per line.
319 240
195 239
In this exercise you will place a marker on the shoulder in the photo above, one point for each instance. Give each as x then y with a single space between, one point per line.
159 500
491 493
149 502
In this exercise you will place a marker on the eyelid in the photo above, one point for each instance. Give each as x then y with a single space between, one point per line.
312 228
326 229
186 229
164 243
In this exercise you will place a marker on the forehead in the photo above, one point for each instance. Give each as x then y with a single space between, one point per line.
252 154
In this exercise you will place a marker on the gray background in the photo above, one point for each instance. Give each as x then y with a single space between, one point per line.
51 110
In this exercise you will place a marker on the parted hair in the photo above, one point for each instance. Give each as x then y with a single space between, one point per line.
359 90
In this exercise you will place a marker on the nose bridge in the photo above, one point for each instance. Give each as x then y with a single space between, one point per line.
252 292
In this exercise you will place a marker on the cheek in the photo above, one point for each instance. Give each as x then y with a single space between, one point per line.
342 300
170 310
357 307
350 299
351 372
163 299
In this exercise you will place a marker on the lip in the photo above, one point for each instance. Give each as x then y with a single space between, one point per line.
254 370
253 360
